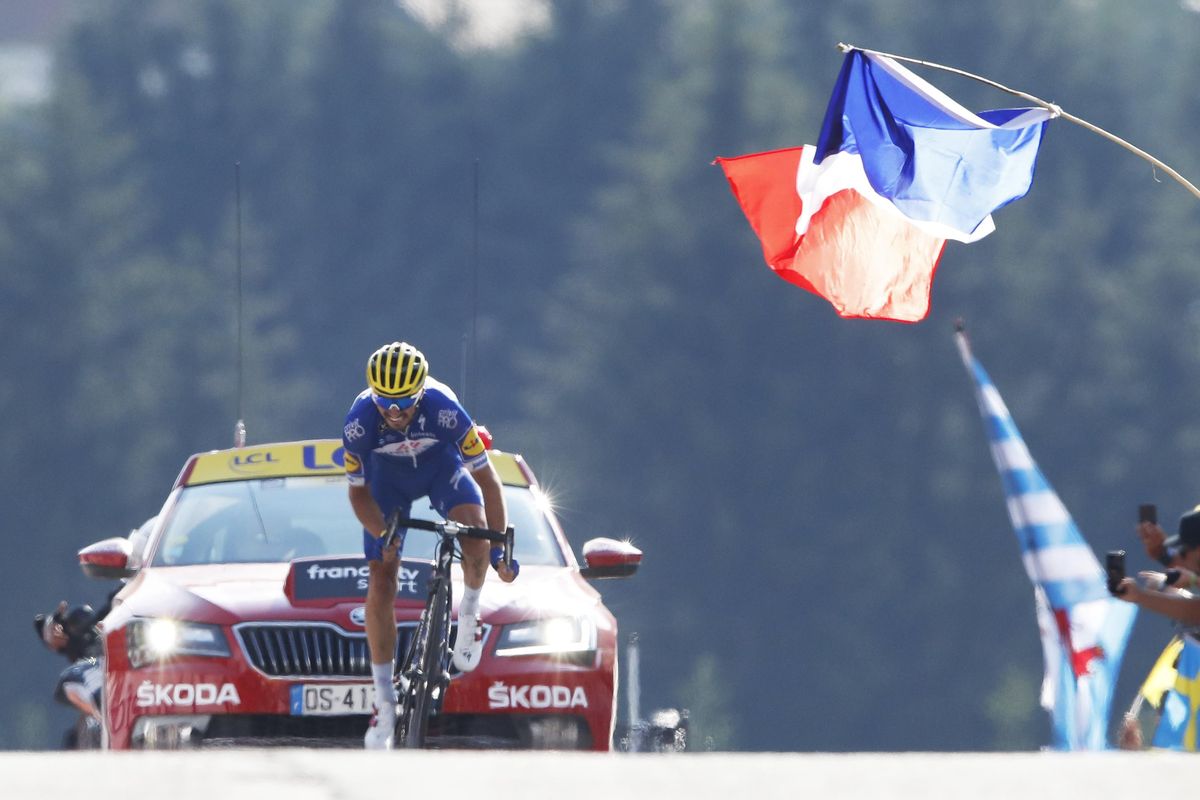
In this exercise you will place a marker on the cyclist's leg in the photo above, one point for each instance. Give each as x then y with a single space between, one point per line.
383 566
456 496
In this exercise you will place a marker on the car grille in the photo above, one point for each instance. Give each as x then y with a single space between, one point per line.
311 650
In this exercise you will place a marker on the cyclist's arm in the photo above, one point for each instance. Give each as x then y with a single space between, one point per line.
367 510
364 505
474 457
493 496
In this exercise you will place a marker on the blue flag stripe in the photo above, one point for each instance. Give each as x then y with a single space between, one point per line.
1024 481
933 159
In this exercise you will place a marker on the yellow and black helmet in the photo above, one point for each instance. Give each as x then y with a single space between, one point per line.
397 371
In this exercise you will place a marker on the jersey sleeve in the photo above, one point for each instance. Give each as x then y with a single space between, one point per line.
357 445
455 427
471 448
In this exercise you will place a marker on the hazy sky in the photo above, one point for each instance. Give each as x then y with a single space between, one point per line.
492 21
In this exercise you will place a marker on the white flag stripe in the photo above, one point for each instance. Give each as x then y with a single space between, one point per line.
1012 454
993 403
1037 508
1073 562
841 171
1087 621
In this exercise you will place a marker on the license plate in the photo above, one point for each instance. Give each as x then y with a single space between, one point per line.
331 700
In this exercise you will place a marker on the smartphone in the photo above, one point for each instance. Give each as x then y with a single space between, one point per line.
1148 512
1114 568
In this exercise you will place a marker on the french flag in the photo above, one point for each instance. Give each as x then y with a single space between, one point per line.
899 168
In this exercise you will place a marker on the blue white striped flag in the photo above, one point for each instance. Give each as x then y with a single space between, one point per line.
1083 628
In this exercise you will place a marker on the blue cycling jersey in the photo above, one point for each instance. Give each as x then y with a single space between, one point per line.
432 457
440 428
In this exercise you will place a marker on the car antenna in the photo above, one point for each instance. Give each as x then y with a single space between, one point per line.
239 430
470 339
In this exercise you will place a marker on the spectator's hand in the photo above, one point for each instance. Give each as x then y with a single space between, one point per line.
1128 590
53 633
1153 539
1130 736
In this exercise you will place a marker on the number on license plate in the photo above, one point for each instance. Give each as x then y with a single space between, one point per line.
330 700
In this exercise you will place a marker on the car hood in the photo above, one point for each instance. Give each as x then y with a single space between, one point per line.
229 593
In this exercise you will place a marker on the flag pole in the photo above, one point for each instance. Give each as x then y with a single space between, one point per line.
1051 107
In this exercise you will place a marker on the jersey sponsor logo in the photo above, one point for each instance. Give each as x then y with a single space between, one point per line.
150 695
352 463
407 447
448 418
354 430
471 445
501 695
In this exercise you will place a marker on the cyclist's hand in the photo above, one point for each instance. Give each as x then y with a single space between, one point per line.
392 552
506 574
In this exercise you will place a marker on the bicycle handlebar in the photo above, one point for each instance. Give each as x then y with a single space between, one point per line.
451 528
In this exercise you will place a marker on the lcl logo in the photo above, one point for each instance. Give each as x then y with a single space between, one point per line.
252 462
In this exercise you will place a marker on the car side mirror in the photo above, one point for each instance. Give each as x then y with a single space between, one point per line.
107 559
609 558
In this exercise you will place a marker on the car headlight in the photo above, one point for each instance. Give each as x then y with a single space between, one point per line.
551 636
154 640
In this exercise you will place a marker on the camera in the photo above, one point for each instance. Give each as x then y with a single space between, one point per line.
1148 512
1114 569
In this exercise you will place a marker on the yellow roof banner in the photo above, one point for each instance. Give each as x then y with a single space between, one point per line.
293 459
319 457
507 466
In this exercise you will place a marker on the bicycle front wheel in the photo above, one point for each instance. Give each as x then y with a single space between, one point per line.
424 669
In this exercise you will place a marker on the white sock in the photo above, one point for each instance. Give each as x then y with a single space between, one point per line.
384 686
469 605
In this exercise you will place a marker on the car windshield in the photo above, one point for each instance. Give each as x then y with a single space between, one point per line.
279 519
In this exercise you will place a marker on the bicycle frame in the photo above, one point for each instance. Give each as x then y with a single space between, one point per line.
424 676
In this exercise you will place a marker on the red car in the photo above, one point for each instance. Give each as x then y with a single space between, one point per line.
242 619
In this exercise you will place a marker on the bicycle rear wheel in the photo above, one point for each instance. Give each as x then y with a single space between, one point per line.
424 667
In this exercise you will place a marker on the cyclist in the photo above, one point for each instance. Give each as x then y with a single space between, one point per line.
407 436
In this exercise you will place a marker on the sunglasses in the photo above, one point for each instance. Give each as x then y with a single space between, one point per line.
399 403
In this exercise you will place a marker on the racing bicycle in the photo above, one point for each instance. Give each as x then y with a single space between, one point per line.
423 677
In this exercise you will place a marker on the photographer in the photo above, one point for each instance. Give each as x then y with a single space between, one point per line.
1169 593
72 632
